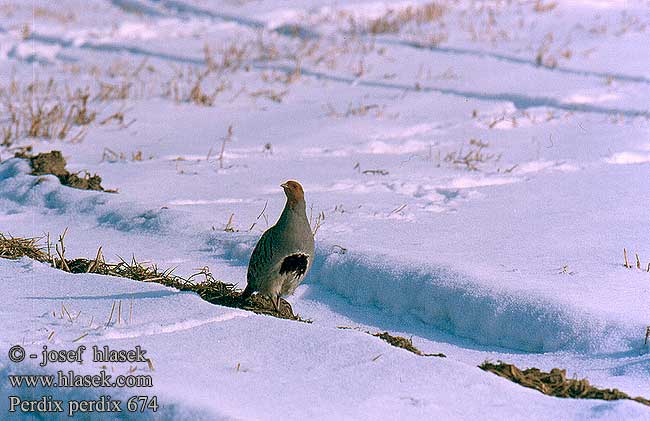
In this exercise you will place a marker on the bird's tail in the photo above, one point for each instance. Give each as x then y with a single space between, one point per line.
248 291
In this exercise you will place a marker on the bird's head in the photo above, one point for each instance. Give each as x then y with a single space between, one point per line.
293 190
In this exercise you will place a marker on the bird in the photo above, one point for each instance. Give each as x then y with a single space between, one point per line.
284 254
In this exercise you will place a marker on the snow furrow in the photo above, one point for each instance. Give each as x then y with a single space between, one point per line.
521 102
456 304
297 30
459 51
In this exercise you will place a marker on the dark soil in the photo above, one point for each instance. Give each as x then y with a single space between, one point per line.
54 163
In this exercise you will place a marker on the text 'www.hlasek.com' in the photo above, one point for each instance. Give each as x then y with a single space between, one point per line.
116 369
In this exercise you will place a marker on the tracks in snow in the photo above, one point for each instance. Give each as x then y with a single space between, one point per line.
519 101
182 9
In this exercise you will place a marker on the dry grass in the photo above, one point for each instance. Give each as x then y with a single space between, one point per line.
39 110
51 111
556 383
393 20
543 57
109 155
543 7
473 157
270 94
373 171
427 40
638 265
201 85
117 117
58 16
396 341
261 215
229 225
117 91
121 81
16 247
202 282
205 84
404 343
187 85
359 110
66 110
230 56
315 223
225 140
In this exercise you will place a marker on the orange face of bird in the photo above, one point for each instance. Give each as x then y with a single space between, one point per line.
293 190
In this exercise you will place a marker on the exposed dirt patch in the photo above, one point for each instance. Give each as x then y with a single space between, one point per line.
555 383
54 163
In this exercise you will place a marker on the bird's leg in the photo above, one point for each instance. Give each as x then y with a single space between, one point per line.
290 308
276 302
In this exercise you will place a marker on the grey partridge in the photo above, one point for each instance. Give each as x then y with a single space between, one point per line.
285 252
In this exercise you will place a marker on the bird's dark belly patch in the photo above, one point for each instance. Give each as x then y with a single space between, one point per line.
295 264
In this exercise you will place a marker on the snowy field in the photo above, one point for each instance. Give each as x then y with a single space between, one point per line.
476 169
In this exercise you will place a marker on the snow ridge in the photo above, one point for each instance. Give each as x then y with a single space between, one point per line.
453 302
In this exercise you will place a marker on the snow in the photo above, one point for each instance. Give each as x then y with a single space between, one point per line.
308 370
517 256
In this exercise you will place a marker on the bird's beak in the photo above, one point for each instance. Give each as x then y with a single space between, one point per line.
284 185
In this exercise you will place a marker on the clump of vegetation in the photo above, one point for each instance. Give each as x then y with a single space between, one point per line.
201 85
402 342
378 171
58 16
47 110
225 140
39 111
16 247
360 110
54 163
638 261
202 282
397 341
394 20
542 7
473 157
188 85
109 155
556 383
315 223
